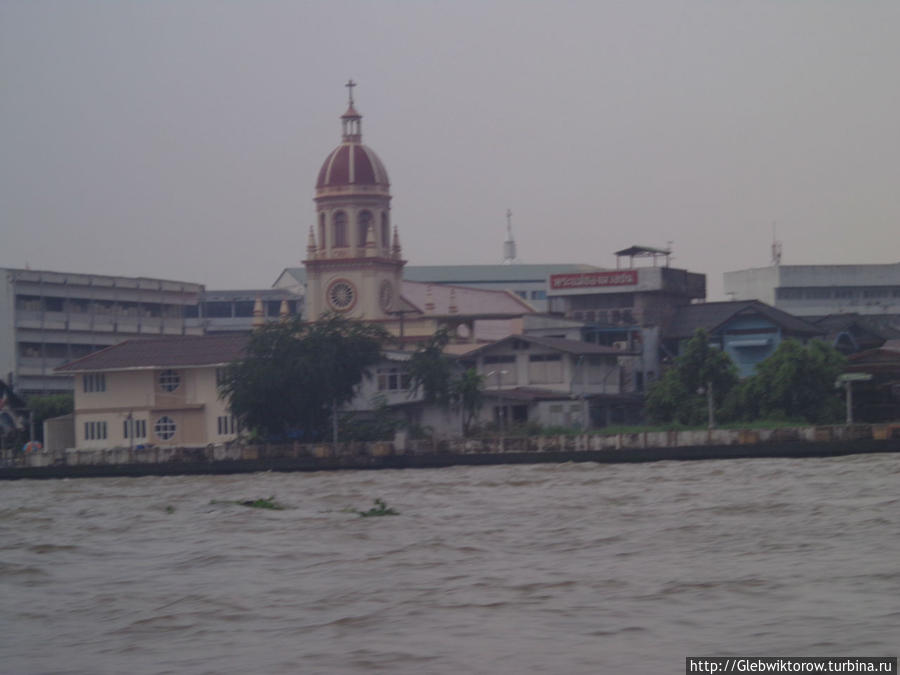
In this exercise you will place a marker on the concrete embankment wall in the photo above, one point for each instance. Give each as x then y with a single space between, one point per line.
636 447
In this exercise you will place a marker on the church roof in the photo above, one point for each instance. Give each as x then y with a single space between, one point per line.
352 164
445 300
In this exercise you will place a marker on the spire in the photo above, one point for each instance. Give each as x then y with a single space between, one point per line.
396 251
509 246
351 121
311 244
259 316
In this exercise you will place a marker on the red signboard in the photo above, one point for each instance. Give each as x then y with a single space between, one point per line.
561 282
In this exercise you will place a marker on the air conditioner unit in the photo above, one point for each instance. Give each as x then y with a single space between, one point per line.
621 346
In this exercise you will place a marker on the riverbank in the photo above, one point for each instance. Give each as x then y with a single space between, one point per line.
632 447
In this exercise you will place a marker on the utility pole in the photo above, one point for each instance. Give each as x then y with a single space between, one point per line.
500 414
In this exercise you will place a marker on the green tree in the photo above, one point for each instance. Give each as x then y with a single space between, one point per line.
45 407
683 394
435 374
795 382
431 371
294 374
468 394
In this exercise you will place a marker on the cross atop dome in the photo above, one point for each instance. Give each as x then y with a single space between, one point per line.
351 120
350 84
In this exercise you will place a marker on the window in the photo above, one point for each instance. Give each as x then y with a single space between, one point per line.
165 428
519 344
844 293
169 380
132 428
363 222
93 383
227 424
321 230
29 303
94 431
393 379
538 295
244 308
545 368
385 231
340 229
221 374
217 309
788 293
341 295
499 371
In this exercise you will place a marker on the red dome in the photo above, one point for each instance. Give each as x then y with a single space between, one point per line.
352 164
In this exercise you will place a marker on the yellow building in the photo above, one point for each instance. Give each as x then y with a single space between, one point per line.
159 391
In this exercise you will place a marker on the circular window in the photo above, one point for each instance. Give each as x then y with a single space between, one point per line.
386 294
169 380
164 428
341 295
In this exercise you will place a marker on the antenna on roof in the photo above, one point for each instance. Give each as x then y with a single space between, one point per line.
776 247
509 246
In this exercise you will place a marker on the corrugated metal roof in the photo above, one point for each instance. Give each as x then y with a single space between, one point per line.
473 274
468 274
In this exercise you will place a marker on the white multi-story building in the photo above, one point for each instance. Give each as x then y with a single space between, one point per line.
820 290
50 318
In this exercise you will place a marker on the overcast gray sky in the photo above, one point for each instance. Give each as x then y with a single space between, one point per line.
182 139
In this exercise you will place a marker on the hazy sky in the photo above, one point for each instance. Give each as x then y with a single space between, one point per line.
182 139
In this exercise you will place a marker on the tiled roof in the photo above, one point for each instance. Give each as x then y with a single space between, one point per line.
163 352
442 299
711 315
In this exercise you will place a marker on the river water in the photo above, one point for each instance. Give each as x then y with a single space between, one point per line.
566 568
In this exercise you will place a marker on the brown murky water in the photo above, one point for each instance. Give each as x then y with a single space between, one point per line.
573 568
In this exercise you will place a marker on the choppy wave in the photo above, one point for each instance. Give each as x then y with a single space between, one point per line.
509 569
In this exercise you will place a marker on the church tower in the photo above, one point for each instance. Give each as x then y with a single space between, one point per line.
353 262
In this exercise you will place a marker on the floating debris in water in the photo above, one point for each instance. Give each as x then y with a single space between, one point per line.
261 503
380 509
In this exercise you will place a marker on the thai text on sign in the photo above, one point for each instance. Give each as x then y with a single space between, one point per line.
593 279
